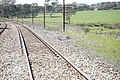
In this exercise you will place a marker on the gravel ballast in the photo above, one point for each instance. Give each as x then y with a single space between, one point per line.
12 61
83 58
47 65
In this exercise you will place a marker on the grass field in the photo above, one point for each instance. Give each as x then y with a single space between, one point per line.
103 16
107 46
57 17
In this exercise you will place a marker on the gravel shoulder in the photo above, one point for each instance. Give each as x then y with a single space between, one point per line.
12 61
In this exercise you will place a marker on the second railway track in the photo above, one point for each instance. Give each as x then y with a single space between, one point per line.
3 26
44 62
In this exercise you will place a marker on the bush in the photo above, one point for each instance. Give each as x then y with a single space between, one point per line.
86 30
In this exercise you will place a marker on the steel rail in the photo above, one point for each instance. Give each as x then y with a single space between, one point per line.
51 48
25 51
3 29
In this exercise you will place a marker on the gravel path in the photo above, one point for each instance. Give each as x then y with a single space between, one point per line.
45 64
12 61
82 57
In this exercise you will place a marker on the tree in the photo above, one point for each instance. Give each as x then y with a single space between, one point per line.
105 5
70 10
50 6
83 7
7 8
19 10
7 1
26 11
35 9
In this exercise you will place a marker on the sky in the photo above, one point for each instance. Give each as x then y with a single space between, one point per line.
41 2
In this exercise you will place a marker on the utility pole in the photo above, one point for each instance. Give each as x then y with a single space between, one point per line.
44 15
22 14
32 18
63 15
32 14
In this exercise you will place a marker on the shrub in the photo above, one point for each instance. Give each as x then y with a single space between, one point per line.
86 30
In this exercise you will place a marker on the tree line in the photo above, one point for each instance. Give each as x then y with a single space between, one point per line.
106 5
8 8
98 6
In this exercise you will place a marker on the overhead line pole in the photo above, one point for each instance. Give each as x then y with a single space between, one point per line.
63 15
44 15
22 14
32 16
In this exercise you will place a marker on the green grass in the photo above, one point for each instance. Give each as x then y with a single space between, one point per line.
106 46
57 17
104 16
52 25
0 18
100 16
104 30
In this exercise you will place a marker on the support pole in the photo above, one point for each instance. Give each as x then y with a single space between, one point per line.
63 15
44 16
22 14
32 14
32 17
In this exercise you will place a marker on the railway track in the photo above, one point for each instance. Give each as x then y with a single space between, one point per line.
44 61
12 62
2 27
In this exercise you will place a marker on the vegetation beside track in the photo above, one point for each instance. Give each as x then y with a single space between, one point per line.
104 40
106 45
